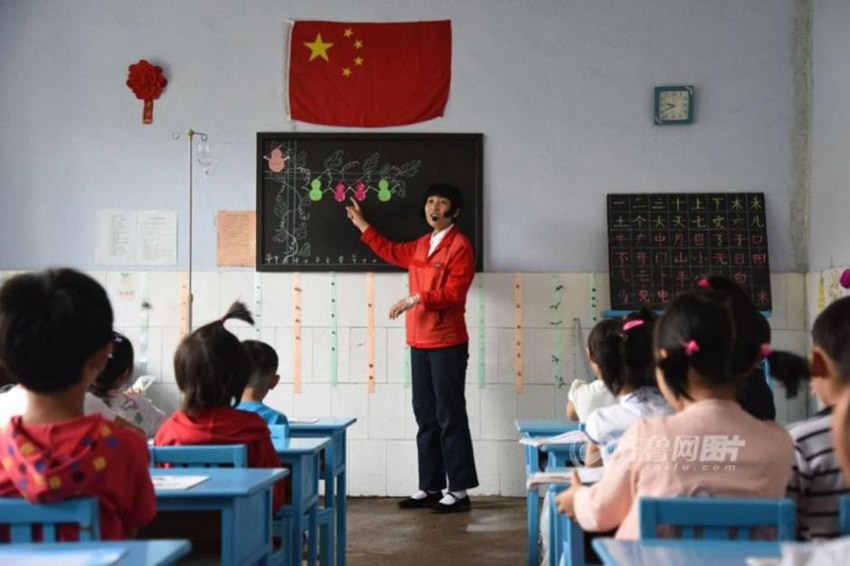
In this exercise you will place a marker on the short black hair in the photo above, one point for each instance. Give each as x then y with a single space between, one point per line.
627 357
446 191
597 337
120 360
51 323
831 332
211 366
263 361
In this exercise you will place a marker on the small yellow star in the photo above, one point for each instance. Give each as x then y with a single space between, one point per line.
358 61
348 32
358 44
346 72
318 48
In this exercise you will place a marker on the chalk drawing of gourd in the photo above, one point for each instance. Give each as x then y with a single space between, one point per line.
360 190
384 193
339 191
277 162
316 190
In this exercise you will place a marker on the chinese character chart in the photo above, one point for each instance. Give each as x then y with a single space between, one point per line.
662 244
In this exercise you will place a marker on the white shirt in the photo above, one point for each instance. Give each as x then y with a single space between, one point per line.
14 402
586 398
437 238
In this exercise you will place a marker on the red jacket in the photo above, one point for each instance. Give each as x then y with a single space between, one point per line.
441 280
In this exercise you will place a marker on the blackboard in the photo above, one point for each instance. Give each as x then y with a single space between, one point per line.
662 244
305 180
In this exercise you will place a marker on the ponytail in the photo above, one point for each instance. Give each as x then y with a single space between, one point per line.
789 370
238 311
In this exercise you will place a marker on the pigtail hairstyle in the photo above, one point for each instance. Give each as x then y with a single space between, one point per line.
211 366
752 343
120 360
626 358
696 331
831 333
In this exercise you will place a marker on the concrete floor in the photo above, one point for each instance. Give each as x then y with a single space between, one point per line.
493 533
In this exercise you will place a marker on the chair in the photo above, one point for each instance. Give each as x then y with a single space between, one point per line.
200 456
717 518
279 431
844 514
22 516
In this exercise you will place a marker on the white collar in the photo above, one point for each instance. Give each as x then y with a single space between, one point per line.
437 237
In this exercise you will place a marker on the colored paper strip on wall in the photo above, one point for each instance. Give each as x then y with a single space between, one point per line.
577 347
482 345
144 325
405 369
557 322
258 304
370 329
518 357
821 293
296 332
184 303
594 299
334 353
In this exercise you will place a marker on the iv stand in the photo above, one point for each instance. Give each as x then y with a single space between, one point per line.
190 134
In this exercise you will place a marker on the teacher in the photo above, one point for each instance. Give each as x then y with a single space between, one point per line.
440 269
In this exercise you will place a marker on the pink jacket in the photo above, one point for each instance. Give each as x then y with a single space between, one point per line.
712 448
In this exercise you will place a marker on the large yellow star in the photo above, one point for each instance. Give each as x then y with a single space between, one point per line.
318 48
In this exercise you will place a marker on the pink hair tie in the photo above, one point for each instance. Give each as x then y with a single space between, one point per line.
765 350
704 283
691 347
632 324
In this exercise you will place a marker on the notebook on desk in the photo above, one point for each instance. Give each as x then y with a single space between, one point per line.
168 483
586 475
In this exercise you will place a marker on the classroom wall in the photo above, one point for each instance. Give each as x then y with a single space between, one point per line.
562 91
829 241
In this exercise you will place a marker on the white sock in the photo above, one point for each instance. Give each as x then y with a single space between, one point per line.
422 494
452 497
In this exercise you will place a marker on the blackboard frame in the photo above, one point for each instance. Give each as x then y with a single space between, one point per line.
475 208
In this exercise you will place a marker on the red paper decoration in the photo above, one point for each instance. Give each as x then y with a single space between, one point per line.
146 81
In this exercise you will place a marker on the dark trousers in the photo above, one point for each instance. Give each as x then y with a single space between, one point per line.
439 403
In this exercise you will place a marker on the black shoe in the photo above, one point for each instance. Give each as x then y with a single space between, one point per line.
425 503
458 506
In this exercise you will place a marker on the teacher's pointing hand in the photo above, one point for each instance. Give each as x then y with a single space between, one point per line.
355 214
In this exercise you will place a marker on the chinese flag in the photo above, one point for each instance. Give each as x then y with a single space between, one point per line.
369 74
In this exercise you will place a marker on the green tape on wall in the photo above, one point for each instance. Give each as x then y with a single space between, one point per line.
334 346
556 322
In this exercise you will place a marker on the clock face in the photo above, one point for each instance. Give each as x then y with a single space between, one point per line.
674 105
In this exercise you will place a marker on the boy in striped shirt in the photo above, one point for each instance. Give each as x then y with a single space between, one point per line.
817 482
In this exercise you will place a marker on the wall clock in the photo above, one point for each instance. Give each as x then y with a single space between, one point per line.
674 105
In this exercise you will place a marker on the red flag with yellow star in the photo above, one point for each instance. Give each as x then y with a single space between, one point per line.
369 74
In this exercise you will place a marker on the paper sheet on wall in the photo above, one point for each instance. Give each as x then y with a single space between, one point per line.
237 241
156 237
115 237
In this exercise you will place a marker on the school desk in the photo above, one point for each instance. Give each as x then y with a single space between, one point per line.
670 552
531 428
301 456
244 498
334 476
136 552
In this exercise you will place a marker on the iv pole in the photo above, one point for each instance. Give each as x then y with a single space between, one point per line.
190 134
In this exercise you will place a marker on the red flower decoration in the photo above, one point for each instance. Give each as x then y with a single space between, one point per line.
845 279
146 81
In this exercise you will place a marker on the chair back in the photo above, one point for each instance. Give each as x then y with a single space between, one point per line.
22 516
716 518
279 432
201 456
844 514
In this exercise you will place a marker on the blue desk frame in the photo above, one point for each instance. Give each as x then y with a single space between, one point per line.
139 552
244 498
334 477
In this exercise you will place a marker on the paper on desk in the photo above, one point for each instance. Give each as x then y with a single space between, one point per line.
571 437
65 556
305 420
586 475
166 483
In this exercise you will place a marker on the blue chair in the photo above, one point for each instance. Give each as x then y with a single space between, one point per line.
844 514
21 516
716 518
200 456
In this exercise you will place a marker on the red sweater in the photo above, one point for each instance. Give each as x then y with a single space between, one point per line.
84 457
225 425
441 280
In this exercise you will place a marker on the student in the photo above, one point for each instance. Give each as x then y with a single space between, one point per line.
212 369
55 338
584 398
710 447
109 386
816 481
627 369
264 377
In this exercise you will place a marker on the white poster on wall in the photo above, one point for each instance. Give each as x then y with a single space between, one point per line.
115 237
156 233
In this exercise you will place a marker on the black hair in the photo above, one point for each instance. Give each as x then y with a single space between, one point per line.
211 366
51 323
831 333
627 358
446 191
263 361
120 360
598 335
752 342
